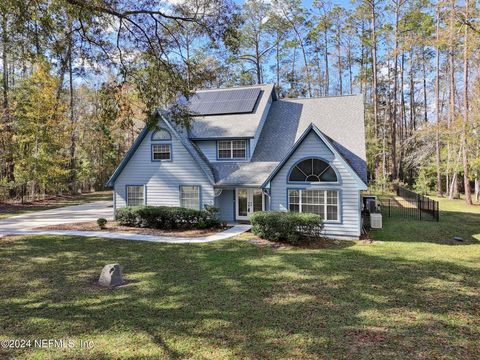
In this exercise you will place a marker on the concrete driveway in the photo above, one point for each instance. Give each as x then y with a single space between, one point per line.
69 214
25 224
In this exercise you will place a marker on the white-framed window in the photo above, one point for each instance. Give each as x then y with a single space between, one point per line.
161 152
135 195
190 196
322 202
232 149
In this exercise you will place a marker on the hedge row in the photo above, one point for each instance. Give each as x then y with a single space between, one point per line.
290 227
167 218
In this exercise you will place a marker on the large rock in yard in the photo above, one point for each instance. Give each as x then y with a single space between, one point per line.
111 275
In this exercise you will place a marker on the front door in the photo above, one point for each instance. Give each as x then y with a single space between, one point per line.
247 202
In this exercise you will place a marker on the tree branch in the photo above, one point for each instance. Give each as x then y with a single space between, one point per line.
126 14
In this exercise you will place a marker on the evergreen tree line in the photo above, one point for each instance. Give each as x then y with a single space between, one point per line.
80 78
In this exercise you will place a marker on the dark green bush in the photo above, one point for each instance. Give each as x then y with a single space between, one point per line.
166 217
290 227
101 222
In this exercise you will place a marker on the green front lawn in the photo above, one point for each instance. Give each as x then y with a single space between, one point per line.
413 295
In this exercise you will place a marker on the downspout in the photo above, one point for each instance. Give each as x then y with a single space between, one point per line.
266 191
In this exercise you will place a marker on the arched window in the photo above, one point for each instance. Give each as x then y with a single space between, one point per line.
312 170
161 134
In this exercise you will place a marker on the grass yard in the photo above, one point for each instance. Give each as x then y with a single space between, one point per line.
413 295
16 208
456 219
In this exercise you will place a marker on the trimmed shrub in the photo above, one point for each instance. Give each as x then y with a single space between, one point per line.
166 218
290 227
101 222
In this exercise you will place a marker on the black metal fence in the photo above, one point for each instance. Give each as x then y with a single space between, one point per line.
410 205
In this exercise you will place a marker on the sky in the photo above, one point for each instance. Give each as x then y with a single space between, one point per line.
96 79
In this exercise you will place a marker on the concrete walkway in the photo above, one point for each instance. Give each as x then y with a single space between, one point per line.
234 231
25 224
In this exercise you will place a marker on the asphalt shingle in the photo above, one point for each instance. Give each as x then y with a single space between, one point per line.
340 118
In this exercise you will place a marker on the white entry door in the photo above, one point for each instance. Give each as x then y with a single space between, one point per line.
247 202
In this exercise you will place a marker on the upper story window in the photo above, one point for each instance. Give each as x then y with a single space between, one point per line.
312 170
162 146
161 134
161 152
232 149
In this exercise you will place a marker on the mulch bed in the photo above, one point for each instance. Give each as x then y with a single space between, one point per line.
113 226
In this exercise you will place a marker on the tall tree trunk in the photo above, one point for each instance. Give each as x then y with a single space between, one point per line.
277 61
339 62
320 84
257 63
327 74
73 137
373 29
465 123
386 115
477 180
454 187
403 117
374 65
350 70
5 61
424 73
293 84
477 190
451 110
304 54
362 57
437 104
9 159
307 68
413 121
393 120
188 67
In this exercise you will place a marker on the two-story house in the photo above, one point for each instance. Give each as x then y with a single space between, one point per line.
249 151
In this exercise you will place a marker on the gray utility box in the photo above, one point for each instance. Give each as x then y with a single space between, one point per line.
376 220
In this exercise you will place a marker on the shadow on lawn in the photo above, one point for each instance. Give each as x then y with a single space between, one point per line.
238 300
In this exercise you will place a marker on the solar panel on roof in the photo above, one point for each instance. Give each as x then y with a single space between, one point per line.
239 101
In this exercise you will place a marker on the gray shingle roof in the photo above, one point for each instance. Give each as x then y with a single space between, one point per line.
231 125
244 173
339 118
193 149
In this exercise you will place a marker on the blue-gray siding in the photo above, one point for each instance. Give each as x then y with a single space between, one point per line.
162 179
349 225
226 203
208 148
